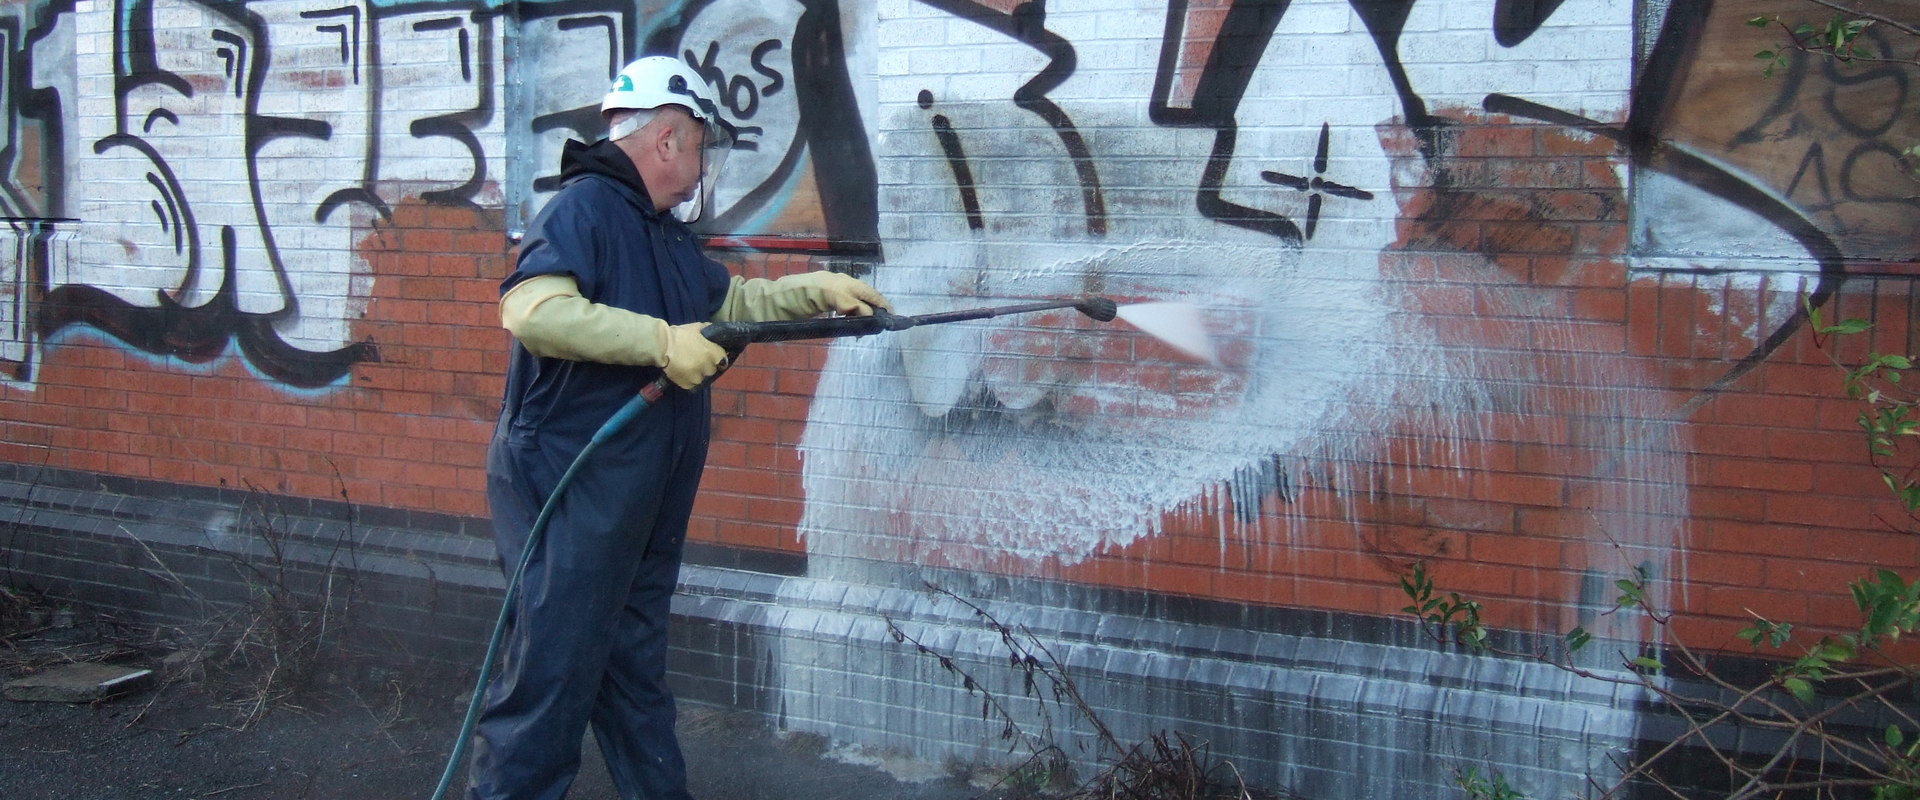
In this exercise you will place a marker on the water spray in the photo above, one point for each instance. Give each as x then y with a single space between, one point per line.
734 337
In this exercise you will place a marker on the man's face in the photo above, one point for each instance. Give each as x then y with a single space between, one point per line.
684 160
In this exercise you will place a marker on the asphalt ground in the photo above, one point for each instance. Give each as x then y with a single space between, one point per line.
381 735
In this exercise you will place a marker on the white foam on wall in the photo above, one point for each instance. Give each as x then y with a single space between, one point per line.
1022 445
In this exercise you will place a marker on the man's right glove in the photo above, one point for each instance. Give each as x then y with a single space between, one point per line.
691 359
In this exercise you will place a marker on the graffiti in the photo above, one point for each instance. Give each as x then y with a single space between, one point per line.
1317 187
957 161
782 72
198 220
1380 206
1277 256
1385 209
1820 165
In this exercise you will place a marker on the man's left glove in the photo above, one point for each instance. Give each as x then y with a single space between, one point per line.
799 296
550 318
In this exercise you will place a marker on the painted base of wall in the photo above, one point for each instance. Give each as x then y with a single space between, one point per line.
1324 705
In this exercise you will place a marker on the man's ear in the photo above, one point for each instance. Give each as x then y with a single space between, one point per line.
660 142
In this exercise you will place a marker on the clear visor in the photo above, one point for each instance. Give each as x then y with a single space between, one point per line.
713 158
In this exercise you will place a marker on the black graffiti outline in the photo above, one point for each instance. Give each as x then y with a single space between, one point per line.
584 121
1654 99
830 131
243 63
1027 24
1515 21
1247 30
349 32
727 90
835 133
1317 186
279 127
42 106
1840 75
1783 105
956 154
200 333
234 55
460 125
1244 35
775 82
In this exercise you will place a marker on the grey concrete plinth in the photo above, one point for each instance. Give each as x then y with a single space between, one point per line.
78 683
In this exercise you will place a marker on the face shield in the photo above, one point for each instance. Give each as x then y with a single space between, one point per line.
713 159
718 142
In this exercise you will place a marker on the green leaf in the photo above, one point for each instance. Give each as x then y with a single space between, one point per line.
1764 55
1630 593
1894 737
1578 638
1897 362
1850 326
1759 22
1800 689
1645 662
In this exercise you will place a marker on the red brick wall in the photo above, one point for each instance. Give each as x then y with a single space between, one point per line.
1514 246
1784 508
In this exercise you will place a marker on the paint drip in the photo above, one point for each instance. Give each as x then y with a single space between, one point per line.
1179 325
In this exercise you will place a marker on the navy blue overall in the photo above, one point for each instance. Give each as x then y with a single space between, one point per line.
588 636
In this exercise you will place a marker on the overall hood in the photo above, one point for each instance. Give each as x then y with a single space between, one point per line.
602 158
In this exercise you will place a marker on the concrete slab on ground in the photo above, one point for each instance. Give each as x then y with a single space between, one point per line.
80 682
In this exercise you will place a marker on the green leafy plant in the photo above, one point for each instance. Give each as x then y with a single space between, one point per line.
1814 685
1889 416
1450 618
1492 786
1839 39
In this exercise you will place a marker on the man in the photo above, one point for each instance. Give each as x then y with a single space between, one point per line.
610 291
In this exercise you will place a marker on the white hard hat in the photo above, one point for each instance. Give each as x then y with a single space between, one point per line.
657 81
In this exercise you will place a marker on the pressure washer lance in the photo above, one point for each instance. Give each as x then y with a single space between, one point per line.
733 337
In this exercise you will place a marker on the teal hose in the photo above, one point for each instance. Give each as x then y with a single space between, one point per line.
628 413
734 337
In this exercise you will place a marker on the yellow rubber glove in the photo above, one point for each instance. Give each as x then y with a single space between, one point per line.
799 296
691 359
552 320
